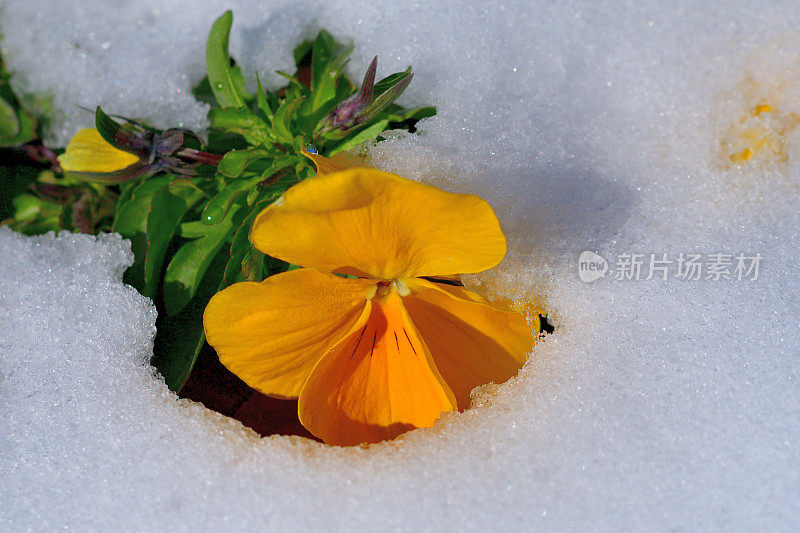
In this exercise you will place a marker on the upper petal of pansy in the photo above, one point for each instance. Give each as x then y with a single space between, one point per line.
336 162
366 222
378 382
272 333
87 151
472 342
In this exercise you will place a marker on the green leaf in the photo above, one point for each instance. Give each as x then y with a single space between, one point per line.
241 121
284 161
125 194
253 265
9 123
312 118
38 225
221 142
131 222
382 101
188 267
27 127
295 89
305 171
321 58
273 100
272 185
326 69
202 92
299 142
246 261
184 186
283 117
17 126
181 337
217 207
240 248
167 209
238 81
234 162
106 127
26 207
261 99
221 75
235 120
26 133
301 51
177 344
193 230
344 88
362 136
274 266
389 81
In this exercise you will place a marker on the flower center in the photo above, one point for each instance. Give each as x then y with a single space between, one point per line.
385 288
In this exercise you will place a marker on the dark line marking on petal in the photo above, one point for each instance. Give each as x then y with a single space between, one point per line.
359 341
452 282
397 342
374 337
409 342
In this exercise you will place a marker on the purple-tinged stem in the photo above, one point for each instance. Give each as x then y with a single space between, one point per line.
199 156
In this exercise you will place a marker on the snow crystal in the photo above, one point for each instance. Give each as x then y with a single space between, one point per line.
611 128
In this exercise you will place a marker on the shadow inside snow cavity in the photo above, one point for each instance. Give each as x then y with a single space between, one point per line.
216 387
568 210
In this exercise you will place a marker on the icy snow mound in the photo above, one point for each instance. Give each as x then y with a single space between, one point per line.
656 404
599 431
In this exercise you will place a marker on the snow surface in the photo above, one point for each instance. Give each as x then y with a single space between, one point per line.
666 405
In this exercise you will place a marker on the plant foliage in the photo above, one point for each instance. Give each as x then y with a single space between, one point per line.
189 231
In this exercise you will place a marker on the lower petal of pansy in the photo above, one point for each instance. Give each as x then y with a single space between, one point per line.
378 382
272 333
471 341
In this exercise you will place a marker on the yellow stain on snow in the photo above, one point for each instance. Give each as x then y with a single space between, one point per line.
762 130
762 108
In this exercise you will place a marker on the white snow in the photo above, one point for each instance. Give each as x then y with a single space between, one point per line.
666 405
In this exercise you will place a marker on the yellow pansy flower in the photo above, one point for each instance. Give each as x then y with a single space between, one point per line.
87 151
113 152
395 345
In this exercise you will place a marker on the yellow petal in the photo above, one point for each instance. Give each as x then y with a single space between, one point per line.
336 162
376 383
272 333
366 222
472 342
87 151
